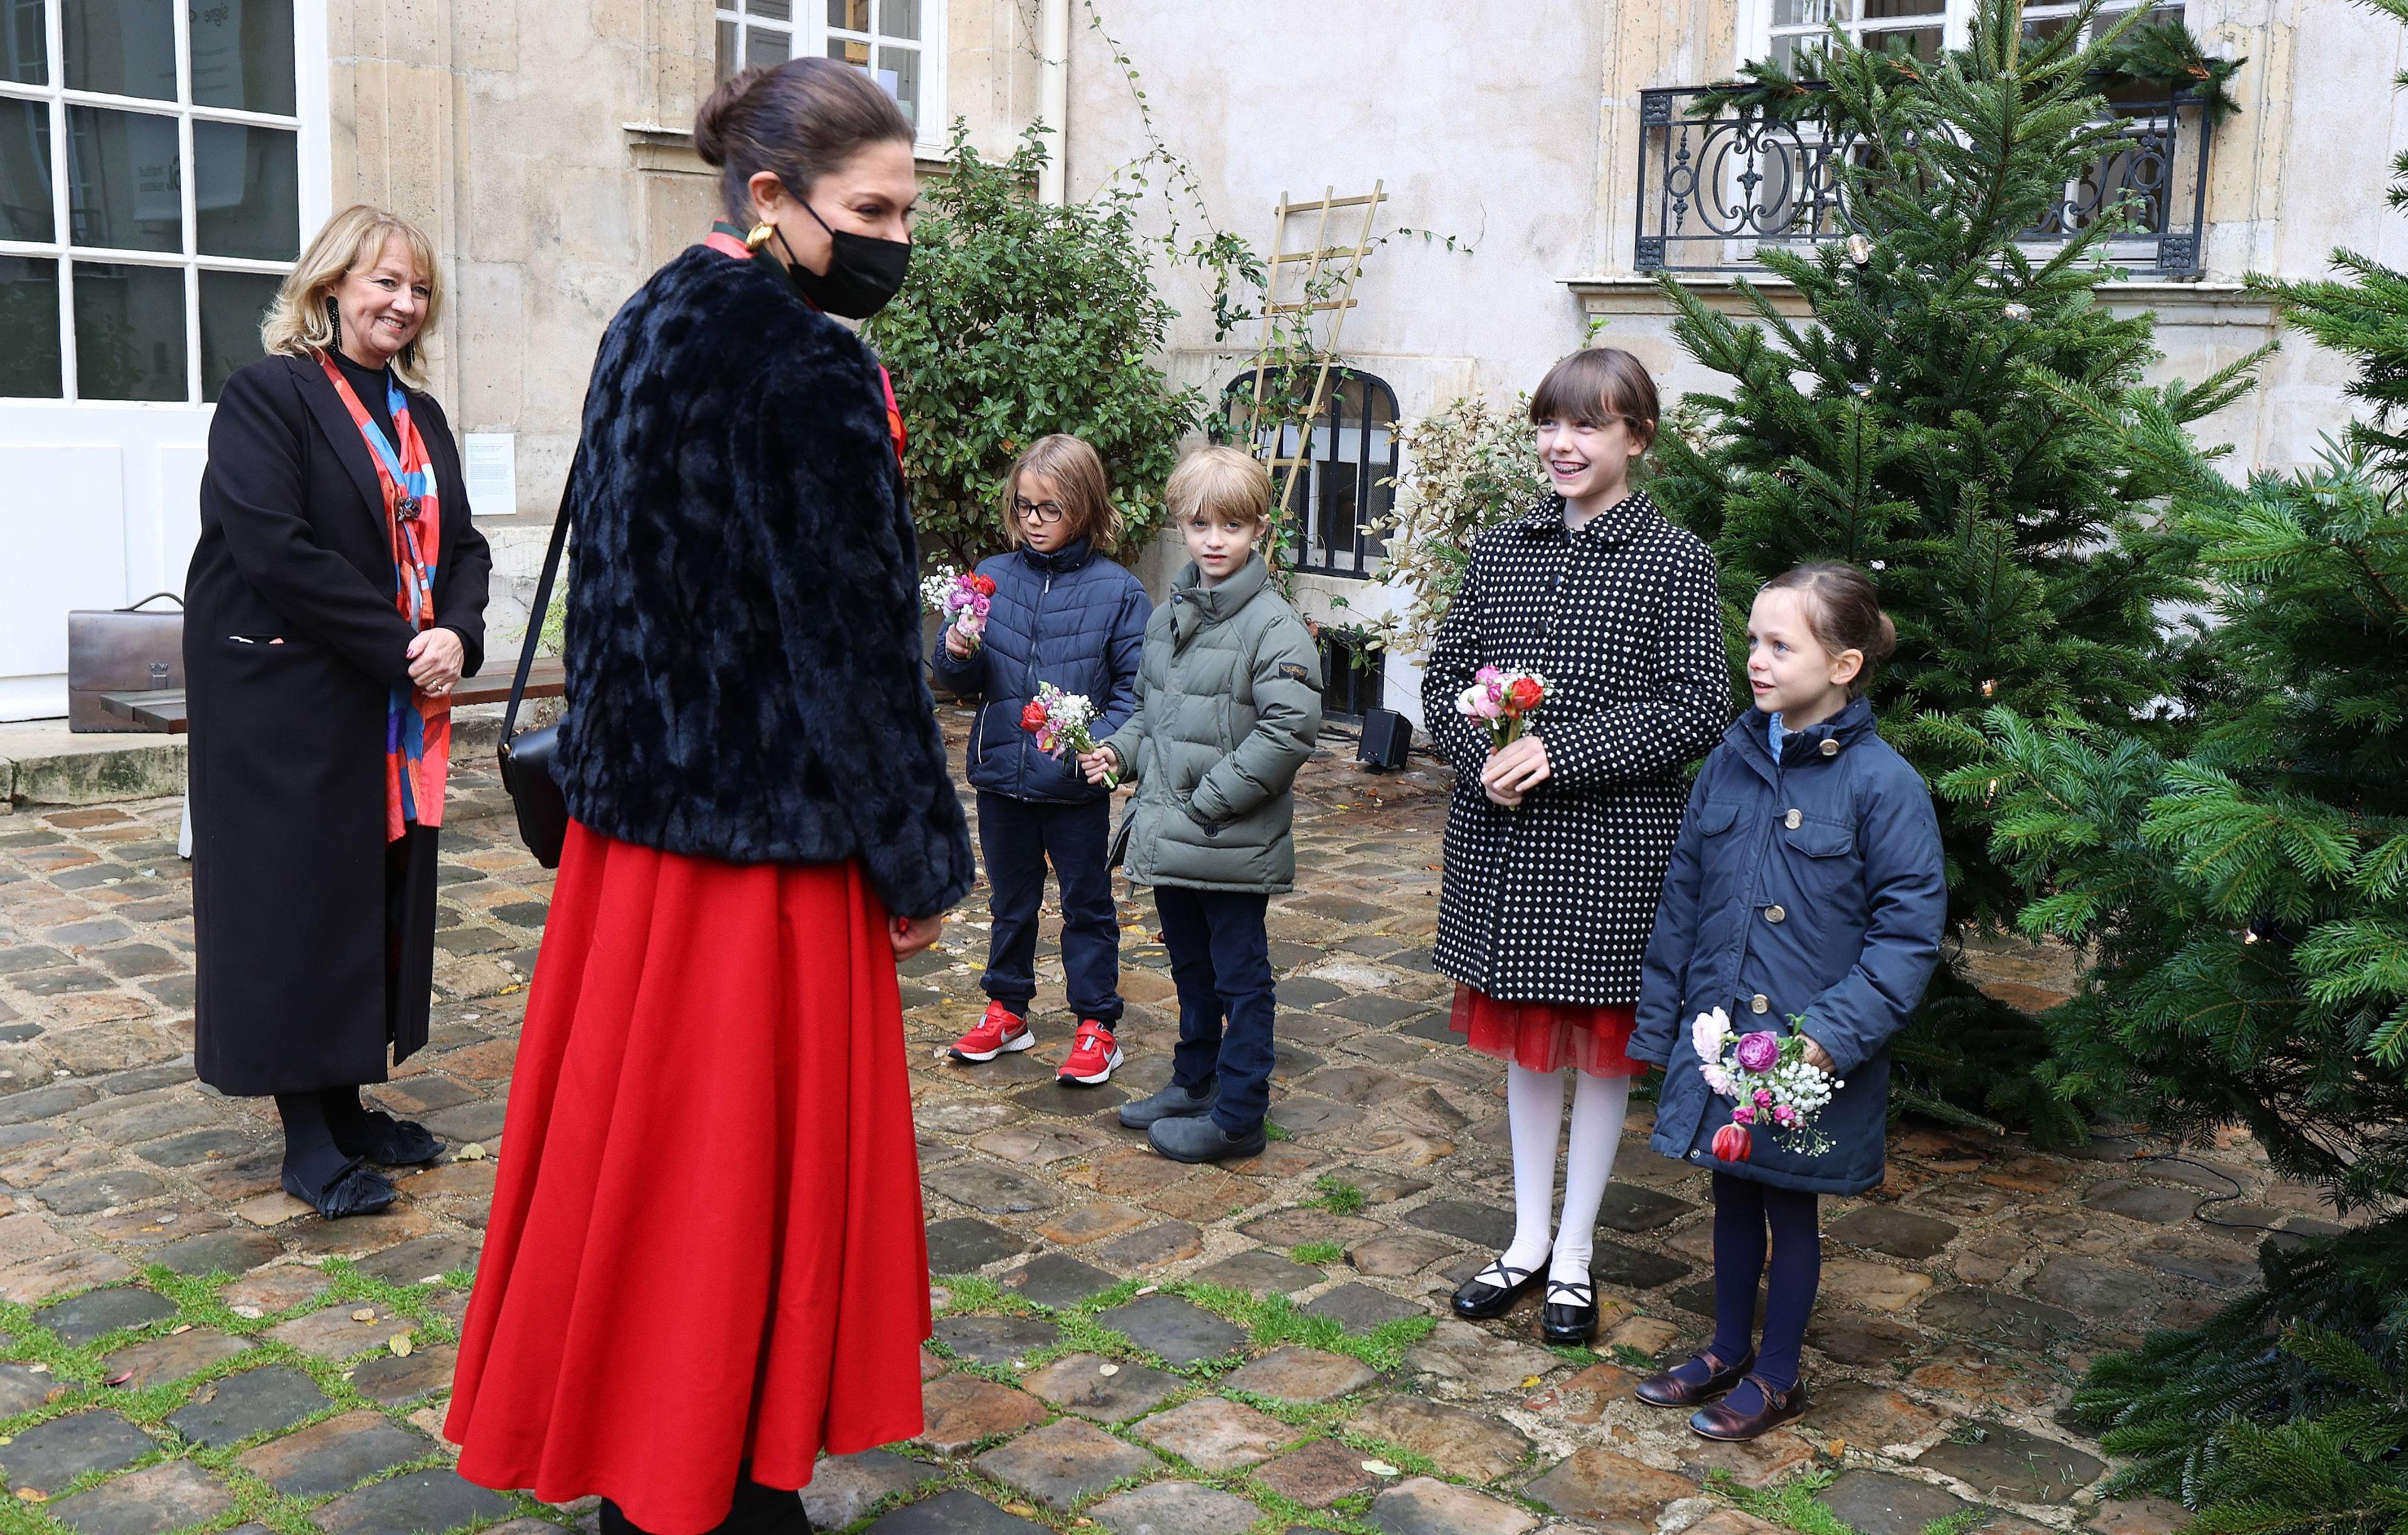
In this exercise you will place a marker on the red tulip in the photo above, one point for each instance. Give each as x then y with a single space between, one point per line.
1731 1143
982 585
1033 717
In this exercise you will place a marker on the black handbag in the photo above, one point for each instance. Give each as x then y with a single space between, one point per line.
528 762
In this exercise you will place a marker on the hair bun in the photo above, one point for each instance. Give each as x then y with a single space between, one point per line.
710 123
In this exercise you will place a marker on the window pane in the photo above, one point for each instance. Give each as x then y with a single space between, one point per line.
856 54
1808 13
25 171
126 48
247 190
232 306
726 49
123 187
900 19
1876 9
29 328
848 16
774 10
898 71
129 326
24 46
242 55
763 46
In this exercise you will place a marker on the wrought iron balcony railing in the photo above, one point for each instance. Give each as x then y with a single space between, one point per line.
1714 189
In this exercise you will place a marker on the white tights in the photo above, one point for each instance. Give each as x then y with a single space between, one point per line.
1534 1102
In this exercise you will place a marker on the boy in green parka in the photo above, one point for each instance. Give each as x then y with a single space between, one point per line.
1228 707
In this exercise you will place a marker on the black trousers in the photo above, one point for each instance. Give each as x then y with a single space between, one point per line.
1018 838
1221 962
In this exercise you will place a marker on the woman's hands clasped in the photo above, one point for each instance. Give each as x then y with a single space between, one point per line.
1514 771
435 658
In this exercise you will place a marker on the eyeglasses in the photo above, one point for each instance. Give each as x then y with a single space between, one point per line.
1038 511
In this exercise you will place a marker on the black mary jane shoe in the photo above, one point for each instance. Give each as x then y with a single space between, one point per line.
1665 1389
391 1142
353 1190
1718 1421
1569 1316
1494 1290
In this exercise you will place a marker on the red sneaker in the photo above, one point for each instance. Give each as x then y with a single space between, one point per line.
1094 1055
999 1032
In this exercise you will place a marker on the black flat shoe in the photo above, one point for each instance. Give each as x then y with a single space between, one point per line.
1665 1389
1198 1138
1718 1421
353 1190
389 1141
1569 1316
1493 1291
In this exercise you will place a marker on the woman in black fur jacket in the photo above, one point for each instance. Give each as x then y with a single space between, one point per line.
709 1126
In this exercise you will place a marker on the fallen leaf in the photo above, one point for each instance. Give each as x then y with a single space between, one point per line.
32 1495
400 1345
1529 1381
249 1313
430 1278
1838 1447
1380 1468
1108 1369
57 1393
119 1378
473 1151
1147 1289
40 1369
365 1313
178 1332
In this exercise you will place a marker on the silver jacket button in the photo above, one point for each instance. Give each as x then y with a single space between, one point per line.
1775 914
1759 1003
1830 747
1794 820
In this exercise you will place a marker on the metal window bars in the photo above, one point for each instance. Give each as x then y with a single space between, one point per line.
1715 189
1347 470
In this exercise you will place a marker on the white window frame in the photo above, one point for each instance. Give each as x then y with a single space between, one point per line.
809 35
314 168
1755 29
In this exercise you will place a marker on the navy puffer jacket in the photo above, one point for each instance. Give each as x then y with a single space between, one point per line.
1071 618
1810 888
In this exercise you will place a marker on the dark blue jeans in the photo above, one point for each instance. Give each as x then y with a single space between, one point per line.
1221 962
1018 838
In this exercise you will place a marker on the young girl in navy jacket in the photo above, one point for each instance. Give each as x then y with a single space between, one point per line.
1065 613
1806 894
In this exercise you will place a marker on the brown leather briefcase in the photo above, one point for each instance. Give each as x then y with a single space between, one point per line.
124 650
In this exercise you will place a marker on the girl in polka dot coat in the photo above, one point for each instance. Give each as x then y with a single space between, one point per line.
1556 844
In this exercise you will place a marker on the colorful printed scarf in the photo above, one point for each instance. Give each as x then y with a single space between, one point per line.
418 725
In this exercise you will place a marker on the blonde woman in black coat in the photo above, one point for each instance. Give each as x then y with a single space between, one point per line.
336 594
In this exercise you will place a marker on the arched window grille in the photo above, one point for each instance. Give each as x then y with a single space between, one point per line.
1346 493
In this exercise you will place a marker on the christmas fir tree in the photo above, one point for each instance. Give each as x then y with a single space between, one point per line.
1914 425
2242 886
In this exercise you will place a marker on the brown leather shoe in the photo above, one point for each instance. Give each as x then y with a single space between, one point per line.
1665 1389
1719 1422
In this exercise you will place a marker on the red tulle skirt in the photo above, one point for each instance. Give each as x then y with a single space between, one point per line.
707 1243
1548 1036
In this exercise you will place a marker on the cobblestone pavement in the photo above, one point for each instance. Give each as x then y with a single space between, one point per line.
1123 1342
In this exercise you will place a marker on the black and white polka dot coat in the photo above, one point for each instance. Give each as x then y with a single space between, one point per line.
1552 902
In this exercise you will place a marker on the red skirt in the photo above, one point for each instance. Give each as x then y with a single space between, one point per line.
707 1243
1548 1036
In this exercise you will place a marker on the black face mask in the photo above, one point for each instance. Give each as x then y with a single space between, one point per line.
863 274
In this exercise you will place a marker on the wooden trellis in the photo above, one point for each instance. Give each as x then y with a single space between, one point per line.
1313 296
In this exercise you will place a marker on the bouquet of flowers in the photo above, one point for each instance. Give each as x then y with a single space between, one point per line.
963 599
1501 700
1059 721
1766 1076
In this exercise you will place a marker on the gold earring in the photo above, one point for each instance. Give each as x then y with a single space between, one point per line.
760 236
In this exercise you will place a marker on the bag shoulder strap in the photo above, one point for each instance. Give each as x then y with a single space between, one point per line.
542 600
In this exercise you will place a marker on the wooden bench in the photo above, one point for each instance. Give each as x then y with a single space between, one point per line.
166 711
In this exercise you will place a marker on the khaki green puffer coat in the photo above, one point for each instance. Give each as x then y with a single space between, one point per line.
1228 707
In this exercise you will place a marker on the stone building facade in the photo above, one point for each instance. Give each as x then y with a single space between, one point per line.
545 144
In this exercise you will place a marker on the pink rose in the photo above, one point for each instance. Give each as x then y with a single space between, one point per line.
1763 1097
1487 706
1486 674
1742 1115
1783 1115
1759 1052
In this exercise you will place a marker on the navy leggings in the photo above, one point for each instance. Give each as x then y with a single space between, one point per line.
1744 1210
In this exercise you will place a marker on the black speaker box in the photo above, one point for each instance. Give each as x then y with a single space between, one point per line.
1387 736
